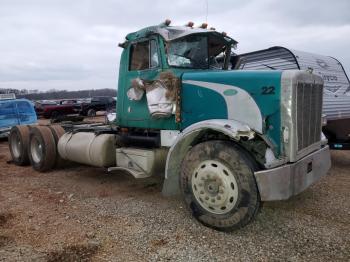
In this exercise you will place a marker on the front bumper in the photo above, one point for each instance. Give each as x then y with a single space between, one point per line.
4 132
288 180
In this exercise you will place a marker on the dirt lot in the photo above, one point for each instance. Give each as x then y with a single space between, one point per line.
83 214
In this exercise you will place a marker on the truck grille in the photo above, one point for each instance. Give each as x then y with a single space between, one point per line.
309 112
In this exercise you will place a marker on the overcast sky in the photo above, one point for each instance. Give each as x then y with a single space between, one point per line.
72 44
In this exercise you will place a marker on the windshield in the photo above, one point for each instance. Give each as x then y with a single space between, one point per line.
196 52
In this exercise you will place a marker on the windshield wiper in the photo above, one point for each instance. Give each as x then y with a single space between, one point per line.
269 67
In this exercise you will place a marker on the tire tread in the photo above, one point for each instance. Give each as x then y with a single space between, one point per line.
45 135
237 159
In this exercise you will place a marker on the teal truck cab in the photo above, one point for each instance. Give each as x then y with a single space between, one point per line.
225 140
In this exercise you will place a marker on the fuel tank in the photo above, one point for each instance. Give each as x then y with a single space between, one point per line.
88 148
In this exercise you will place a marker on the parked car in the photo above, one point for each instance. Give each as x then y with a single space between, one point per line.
101 103
15 112
55 110
39 106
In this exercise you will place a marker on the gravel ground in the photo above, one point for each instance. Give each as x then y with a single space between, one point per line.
83 214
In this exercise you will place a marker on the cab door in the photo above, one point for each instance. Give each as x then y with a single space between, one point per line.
26 113
8 114
144 62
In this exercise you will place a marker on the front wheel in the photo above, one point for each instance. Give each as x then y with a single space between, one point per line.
55 115
91 112
217 180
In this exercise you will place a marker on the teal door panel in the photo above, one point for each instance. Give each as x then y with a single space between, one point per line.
136 113
199 104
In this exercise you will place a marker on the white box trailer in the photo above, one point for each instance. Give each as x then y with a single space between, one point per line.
336 97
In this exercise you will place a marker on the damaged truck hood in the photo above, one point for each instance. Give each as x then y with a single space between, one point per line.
252 98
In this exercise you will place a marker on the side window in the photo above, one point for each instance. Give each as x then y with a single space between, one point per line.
154 54
7 109
143 55
24 107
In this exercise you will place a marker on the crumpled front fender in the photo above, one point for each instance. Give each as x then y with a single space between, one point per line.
231 128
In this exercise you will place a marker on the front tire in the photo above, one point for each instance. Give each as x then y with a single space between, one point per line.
55 115
218 184
91 112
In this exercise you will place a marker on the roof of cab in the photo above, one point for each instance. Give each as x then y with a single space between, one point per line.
15 100
170 33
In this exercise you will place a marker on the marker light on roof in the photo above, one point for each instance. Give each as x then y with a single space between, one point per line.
224 33
212 28
167 22
204 25
190 24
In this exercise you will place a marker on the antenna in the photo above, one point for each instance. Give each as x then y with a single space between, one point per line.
206 10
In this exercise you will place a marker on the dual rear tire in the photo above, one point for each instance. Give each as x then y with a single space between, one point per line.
18 142
42 149
36 145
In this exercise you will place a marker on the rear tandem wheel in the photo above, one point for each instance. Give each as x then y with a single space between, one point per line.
18 144
42 148
57 132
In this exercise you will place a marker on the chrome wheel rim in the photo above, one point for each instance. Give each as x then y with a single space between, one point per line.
214 187
16 146
36 150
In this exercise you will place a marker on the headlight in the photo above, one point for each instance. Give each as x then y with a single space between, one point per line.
111 117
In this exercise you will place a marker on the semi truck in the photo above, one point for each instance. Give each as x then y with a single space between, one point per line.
226 141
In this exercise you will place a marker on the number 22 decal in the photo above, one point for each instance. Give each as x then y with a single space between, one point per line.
268 90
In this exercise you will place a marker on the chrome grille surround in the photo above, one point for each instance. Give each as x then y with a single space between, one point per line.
301 113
